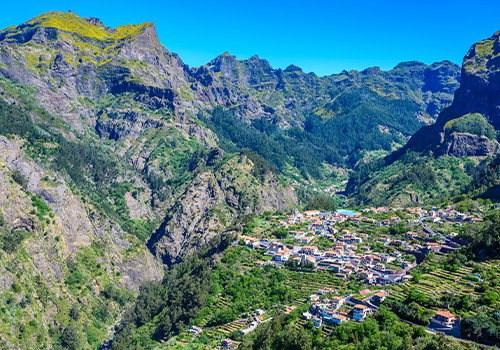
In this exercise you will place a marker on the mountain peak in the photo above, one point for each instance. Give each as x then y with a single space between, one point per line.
293 68
90 27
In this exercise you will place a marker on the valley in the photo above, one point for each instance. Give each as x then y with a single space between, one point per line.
146 204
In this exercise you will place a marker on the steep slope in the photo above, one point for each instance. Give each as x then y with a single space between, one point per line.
98 150
478 95
63 262
466 131
121 89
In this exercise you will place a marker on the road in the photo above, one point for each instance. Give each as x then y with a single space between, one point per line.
434 233
374 307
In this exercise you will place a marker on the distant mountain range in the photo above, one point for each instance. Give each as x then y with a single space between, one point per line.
466 131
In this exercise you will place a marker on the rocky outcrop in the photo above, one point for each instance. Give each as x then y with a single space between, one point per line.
76 224
468 145
479 92
212 203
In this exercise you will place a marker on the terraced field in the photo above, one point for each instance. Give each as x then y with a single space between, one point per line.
303 284
442 281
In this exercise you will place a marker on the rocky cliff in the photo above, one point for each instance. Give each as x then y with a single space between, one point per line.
479 92
107 172
436 162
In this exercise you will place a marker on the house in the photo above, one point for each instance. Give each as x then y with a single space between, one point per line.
339 319
330 253
387 259
359 312
407 264
411 235
307 315
229 344
365 274
445 318
283 255
259 312
195 330
276 246
337 302
317 322
310 259
379 297
250 241
351 267
433 246
309 250
313 297
364 292
259 263
306 239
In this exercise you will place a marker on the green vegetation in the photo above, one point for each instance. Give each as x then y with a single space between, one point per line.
409 179
275 145
75 24
472 123
321 202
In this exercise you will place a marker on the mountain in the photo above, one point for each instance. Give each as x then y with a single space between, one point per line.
476 101
106 173
118 160
440 160
351 112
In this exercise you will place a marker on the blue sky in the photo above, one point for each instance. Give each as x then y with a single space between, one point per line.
324 37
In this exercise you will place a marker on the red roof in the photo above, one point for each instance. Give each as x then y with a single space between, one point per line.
446 314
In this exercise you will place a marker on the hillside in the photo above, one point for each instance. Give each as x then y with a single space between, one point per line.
452 155
120 161
99 154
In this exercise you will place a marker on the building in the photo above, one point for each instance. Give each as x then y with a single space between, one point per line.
307 315
195 330
445 318
283 255
317 322
339 319
313 297
229 344
360 312
337 302
379 297
309 250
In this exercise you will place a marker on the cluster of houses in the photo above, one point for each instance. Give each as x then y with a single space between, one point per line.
434 215
326 311
331 311
347 257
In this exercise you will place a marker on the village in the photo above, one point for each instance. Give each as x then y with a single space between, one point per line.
376 247
376 259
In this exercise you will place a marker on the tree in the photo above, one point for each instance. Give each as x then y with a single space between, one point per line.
281 233
70 338
321 202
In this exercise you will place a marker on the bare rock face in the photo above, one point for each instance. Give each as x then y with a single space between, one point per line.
212 203
76 224
467 145
479 92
